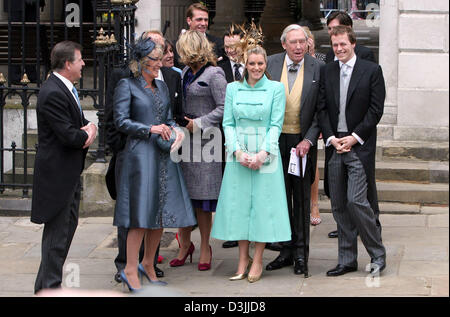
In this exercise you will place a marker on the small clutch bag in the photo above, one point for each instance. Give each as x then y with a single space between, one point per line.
165 145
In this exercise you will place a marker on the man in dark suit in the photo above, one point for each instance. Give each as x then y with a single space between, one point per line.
300 73
116 141
64 136
351 103
342 18
197 18
233 66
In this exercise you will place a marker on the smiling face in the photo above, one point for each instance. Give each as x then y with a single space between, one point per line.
168 58
153 64
342 47
230 45
295 45
256 66
74 68
199 21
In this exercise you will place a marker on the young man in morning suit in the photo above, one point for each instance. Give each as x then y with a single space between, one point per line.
300 74
64 136
351 103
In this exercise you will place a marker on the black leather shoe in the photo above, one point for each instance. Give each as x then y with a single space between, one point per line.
279 263
274 246
117 278
341 270
229 244
377 265
300 267
159 272
333 234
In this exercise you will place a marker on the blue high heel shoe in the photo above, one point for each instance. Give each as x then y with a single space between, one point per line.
125 281
142 272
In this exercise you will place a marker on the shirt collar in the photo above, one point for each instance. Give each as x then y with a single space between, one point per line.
289 62
66 82
350 63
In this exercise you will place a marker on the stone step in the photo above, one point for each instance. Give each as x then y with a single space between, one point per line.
406 151
409 193
407 171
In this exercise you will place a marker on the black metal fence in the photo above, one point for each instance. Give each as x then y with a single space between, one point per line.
103 27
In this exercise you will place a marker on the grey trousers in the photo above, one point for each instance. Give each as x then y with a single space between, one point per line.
351 209
56 240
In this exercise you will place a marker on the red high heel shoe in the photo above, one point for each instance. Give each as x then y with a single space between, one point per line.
177 262
205 266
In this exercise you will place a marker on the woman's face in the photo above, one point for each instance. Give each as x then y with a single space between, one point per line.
256 66
153 64
168 59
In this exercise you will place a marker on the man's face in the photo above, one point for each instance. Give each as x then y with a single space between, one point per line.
74 68
199 21
332 24
230 45
295 45
342 47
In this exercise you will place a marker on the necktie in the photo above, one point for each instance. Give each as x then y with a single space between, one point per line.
237 73
75 92
292 75
343 90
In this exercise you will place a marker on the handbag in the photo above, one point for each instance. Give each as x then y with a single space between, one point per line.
165 145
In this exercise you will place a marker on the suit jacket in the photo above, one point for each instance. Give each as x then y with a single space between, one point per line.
114 138
308 120
364 109
360 51
60 155
225 64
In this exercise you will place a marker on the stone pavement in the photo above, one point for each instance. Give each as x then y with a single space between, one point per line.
417 262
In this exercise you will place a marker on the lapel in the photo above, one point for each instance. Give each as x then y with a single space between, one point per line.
69 95
354 80
335 81
277 66
307 79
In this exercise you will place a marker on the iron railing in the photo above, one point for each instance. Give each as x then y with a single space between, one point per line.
103 27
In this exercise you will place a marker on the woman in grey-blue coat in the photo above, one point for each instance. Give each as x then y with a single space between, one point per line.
152 194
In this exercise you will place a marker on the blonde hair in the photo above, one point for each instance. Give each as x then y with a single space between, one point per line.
308 32
137 66
257 50
194 48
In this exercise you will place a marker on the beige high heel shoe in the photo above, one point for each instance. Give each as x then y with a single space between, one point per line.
238 277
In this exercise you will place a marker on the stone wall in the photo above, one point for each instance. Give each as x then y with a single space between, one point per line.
414 42
148 16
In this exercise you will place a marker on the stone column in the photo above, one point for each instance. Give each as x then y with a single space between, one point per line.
311 14
148 15
274 20
227 12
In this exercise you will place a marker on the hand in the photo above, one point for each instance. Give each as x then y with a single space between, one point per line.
303 148
258 160
340 149
162 130
348 142
243 158
190 125
179 140
91 130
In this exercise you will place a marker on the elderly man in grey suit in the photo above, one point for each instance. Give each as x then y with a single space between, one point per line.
300 74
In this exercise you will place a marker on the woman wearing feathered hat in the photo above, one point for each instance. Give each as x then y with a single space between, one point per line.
152 193
252 202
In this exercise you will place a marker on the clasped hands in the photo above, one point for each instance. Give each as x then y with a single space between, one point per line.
165 132
254 161
91 130
345 144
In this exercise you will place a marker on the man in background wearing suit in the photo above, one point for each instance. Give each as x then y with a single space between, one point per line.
342 18
233 66
116 141
351 103
300 74
197 18
64 136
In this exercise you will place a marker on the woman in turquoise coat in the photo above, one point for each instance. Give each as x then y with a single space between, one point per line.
252 202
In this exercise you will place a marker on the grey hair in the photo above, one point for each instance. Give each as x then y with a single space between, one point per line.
290 28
